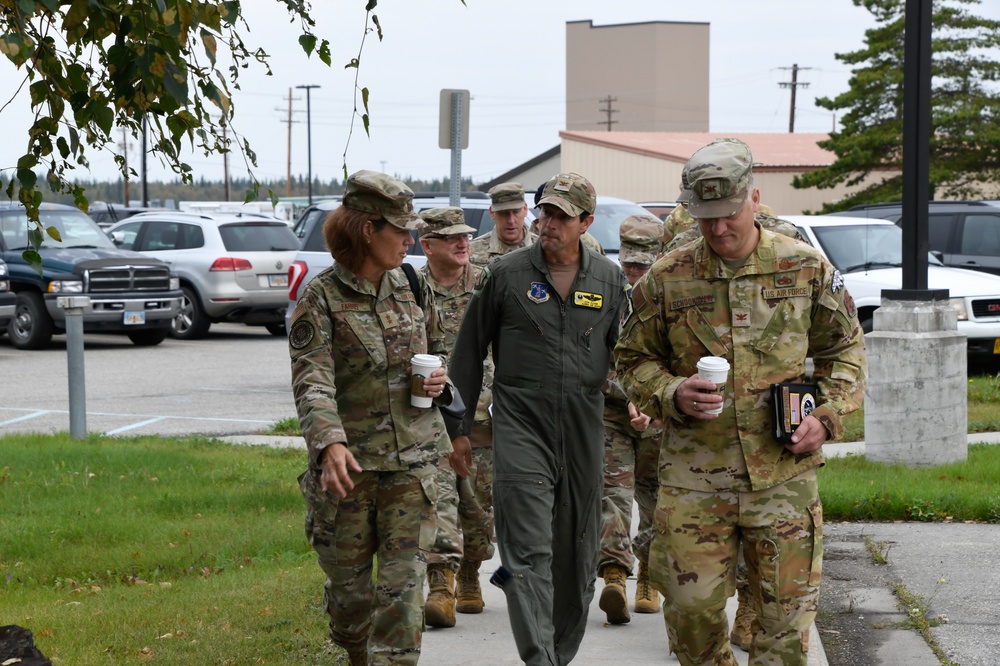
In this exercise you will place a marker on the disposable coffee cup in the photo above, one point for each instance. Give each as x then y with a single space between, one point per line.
715 370
422 367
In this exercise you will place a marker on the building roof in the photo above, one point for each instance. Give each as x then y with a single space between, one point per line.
770 150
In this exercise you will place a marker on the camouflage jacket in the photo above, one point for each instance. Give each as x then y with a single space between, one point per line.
351 343
784 303
487 248
451 303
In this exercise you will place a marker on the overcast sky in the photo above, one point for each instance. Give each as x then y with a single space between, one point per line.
510 54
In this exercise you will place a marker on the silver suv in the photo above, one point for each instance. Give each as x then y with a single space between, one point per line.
233 267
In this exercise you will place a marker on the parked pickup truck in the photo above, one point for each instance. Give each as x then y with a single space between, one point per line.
129 293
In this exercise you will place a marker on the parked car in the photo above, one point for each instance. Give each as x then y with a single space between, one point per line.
129 293
869 254
232 267
106 214
660 209
964 234
7 298
608 218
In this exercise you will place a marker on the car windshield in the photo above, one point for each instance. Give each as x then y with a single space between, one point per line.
860 247
258 237
607 220
75 229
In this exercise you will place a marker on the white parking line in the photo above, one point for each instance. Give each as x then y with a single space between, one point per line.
26 417
135 425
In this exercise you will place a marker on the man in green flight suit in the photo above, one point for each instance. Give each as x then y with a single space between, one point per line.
552 313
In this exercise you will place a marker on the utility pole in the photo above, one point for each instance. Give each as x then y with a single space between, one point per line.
608 110
225 159
288 164
308 90
793 84
125 171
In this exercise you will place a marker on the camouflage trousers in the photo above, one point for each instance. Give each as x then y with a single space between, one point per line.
630 472
447 549
693 562
475 508
389 515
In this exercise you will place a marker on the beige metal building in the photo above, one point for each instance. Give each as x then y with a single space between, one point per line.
646 166
637 69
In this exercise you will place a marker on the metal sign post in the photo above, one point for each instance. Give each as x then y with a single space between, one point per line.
74 307
453 133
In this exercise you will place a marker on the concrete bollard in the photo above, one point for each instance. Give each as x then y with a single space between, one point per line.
916 405
74 307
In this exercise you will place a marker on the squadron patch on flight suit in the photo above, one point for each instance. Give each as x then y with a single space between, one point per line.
586 299
301 334
539 292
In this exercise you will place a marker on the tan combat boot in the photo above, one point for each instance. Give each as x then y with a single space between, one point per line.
613 599
439 611
745 624
469 594
647 600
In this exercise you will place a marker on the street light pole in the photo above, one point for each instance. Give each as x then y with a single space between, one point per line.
308 89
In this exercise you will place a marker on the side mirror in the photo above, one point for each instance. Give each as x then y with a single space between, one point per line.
938 254
117 237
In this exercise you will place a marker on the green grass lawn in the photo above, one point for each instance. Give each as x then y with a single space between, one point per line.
178 551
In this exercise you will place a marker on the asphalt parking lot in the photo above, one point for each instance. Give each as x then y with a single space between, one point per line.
235 381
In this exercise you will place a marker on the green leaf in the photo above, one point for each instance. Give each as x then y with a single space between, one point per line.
104 116
33 259
63 147
53 234
371 5
378 27
364 121
27 177
211 47
34 236
355 63
308 43
324 53
27 162
364 98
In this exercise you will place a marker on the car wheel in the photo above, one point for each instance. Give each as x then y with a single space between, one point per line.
31 327
149 337
277 330
191 323
867 326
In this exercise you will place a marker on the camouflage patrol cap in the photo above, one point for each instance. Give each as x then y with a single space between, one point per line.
507 196
446 221
714 182
571 193
378 193
641 239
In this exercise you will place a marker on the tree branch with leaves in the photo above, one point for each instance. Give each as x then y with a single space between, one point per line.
965 108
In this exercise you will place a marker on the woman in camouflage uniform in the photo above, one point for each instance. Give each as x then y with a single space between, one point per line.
370 486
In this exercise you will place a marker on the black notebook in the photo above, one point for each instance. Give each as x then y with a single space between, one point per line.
790 403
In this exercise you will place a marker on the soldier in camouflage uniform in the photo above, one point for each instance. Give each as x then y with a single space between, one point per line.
508 210
745 624
552 314
631 452
764 302
445 239
369 486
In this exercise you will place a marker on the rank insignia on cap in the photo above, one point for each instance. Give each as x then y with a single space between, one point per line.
585 299
539 292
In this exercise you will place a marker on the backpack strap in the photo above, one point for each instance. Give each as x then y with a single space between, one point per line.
411 275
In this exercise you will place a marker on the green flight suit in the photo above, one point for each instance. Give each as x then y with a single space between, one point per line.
551 358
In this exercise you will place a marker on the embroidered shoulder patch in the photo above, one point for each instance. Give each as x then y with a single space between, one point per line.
301 334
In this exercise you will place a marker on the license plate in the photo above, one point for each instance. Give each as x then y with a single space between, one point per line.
280 280
996 346
134 318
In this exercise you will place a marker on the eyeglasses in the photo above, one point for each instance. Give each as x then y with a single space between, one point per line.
454 239
633 267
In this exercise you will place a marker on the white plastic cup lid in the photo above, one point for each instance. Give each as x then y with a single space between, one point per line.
426 360
713 364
